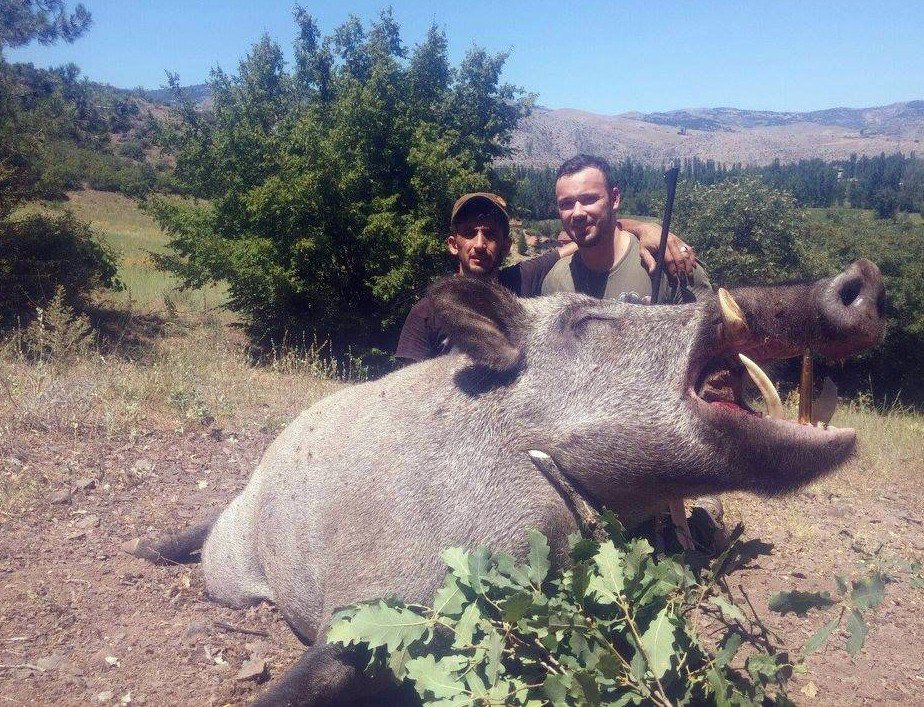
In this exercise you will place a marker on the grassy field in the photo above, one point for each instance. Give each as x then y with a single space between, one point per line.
133 234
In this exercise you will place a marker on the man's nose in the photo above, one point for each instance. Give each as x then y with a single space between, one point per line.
578 211
479 241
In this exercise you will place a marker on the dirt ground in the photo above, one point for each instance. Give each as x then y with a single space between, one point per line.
81 622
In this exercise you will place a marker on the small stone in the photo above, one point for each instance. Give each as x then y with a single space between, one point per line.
253 670
144 466
60 497
51 662
112 661
85 484
202 484
126 699
104 697
810 690
195 630
88 522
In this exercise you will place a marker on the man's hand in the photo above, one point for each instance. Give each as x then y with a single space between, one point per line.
679 258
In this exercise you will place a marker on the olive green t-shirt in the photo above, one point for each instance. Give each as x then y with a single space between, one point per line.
627 277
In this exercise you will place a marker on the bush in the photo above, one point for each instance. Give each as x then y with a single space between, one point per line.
57 333
40 254
747 233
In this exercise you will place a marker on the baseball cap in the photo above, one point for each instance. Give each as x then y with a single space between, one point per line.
490 200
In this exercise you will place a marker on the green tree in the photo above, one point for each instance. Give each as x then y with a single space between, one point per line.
42 255
747 233
29 116
328 187
44 21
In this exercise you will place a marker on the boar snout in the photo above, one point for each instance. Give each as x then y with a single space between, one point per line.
851 308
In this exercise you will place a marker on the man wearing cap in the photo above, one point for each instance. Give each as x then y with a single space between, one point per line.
479 239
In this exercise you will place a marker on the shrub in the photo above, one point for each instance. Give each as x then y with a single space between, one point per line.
747 232
57 333
40 254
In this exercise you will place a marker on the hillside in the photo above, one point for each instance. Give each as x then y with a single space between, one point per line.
726 135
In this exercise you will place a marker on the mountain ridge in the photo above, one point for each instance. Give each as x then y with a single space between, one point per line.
725 134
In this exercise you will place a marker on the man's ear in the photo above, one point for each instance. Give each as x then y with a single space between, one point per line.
451 245
483 319
617 197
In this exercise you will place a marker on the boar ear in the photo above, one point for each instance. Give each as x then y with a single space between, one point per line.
485 320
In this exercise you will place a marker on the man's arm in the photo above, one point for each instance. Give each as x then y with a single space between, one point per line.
680 258
525 278
415 342
690 288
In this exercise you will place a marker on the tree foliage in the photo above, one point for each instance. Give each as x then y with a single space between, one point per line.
619 626
329 184
44 21
746 232
887 184
37 106
43 259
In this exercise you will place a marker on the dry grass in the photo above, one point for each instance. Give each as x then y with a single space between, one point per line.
197 376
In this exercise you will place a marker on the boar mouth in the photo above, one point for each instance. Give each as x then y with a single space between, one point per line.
717 394
716 390
721 383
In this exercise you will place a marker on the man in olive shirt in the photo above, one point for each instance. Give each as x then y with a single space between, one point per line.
607 265
608 261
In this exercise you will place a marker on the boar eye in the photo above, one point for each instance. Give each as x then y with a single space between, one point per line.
581 320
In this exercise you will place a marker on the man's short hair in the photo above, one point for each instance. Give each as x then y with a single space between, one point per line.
582 161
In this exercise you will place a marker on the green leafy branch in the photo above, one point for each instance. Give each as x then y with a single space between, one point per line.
616 627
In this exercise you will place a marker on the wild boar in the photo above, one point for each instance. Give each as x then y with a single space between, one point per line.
636 405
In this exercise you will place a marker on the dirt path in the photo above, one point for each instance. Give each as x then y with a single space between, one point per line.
81 622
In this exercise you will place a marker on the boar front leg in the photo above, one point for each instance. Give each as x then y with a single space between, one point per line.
328 674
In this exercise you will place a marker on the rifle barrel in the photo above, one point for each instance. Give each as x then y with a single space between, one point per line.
671 178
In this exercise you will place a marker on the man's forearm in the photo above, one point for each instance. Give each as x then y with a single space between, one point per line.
679 258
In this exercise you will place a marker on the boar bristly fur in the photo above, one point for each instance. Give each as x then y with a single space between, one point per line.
359 495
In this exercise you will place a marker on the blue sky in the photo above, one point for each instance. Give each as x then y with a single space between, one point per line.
604 57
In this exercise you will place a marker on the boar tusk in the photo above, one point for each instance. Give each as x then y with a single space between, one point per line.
806 388
823 408
732 316
765 386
